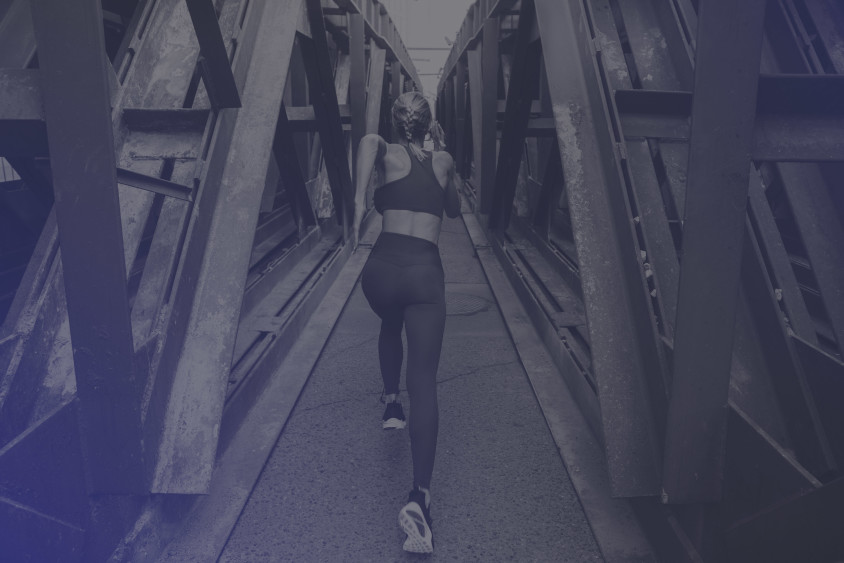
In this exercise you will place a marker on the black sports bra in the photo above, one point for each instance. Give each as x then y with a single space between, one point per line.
418 191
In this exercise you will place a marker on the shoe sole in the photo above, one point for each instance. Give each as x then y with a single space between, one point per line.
419 537
394 424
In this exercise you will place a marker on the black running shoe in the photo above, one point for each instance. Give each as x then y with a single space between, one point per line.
394 416
415 520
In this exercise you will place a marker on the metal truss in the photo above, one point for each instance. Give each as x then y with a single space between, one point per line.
661 180
189 160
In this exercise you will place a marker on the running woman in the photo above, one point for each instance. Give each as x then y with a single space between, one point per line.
404 284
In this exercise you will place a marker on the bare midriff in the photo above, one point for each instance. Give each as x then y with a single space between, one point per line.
412 223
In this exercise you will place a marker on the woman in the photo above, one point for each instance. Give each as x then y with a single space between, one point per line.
404 284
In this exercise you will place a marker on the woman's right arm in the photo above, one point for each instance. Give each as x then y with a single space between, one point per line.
452 192
371 150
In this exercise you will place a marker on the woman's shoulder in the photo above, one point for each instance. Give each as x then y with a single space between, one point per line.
442 159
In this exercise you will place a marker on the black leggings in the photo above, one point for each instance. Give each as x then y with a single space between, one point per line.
404 283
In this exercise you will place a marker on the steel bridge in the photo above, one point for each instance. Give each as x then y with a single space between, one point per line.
663 182
653 235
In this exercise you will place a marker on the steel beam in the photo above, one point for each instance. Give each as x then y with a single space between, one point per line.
822 234
71 56
476 113
395 79
489 112
22 130
622 335
324 100
460 116
209 291
154 184
375 88
726 70
214 60
800 415
523 81
357 80
777 260
284 150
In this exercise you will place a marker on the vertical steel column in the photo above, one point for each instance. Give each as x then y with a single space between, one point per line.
524 77
489 112
324 99
726 77
395 85
460 115
375 88
623 344
357 80
284 151
75 90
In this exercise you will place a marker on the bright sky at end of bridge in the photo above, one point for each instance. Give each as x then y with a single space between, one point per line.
427 28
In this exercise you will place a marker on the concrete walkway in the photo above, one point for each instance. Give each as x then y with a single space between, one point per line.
333 485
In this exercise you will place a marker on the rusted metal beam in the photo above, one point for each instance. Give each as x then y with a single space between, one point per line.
215 260
324 100
71 56
214 60
523 82
728 57
622 335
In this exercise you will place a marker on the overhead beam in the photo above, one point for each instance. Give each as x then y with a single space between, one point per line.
75 91
726 78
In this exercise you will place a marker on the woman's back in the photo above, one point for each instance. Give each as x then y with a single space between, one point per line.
398 166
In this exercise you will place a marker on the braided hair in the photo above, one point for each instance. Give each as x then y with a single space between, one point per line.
413 121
